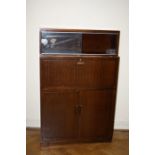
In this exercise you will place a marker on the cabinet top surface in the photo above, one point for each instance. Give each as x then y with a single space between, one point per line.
80 30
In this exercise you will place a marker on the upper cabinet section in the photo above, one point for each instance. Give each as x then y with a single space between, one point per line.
56 41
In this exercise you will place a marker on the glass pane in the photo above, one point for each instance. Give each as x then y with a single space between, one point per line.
60 42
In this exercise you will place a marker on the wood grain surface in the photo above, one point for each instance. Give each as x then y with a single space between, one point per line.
119 146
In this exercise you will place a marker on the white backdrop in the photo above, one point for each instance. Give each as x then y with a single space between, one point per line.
84 14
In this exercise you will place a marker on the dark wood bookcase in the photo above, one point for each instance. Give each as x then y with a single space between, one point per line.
78 84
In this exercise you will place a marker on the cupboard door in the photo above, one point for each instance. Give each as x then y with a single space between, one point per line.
58 116
96 114
57 74
97 73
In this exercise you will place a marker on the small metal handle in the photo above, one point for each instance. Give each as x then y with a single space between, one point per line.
80 63
78 108
81 106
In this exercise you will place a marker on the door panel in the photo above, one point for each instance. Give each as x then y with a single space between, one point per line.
56 42
58 74
96 73
95 113
100 43
58 116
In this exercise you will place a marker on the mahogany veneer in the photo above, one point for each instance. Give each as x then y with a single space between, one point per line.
78 75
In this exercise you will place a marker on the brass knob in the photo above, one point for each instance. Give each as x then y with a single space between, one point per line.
80 62
78 108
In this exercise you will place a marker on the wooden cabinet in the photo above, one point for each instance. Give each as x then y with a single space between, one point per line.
78 81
